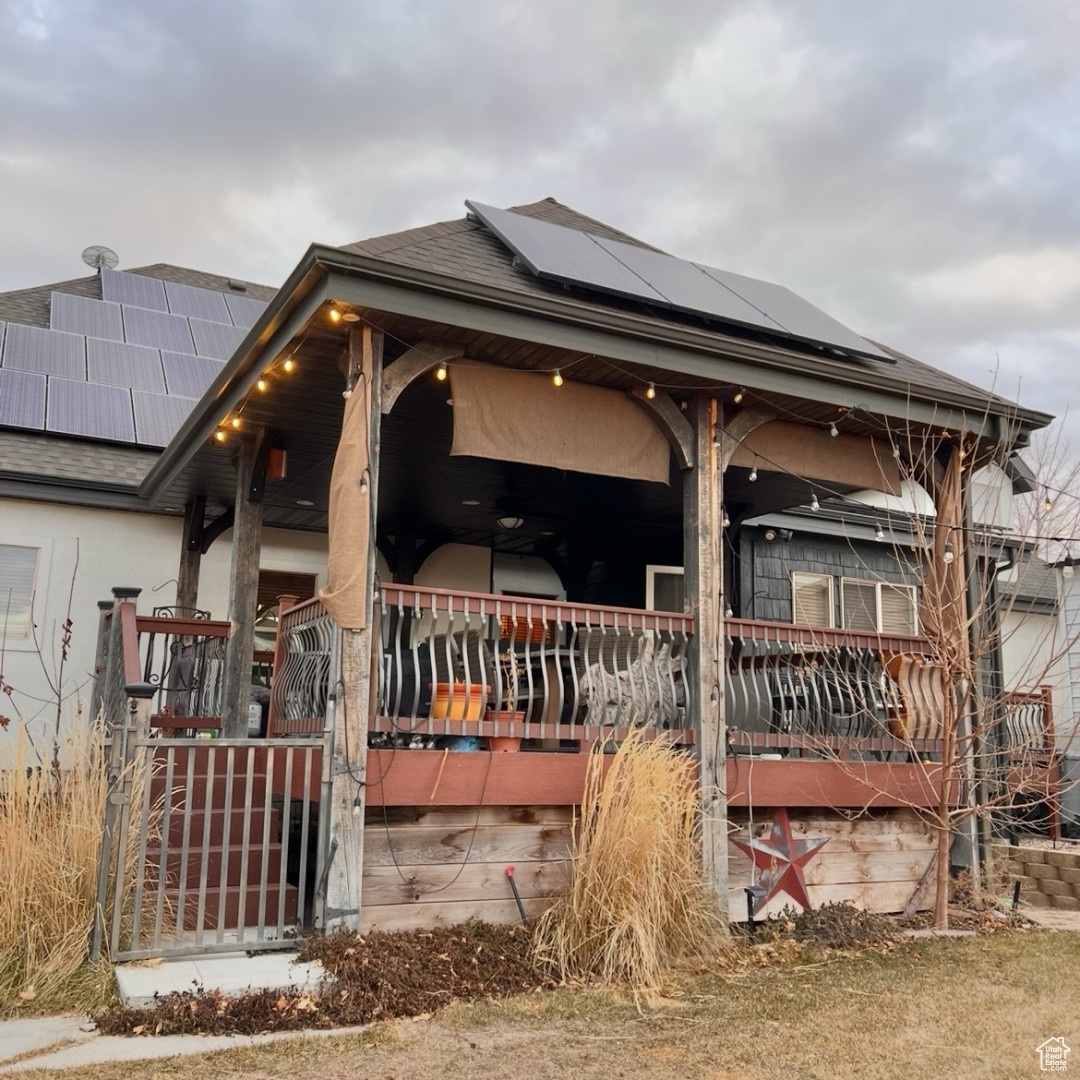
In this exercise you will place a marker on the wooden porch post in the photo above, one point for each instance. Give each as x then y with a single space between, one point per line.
243 595
703 561
187 577
355 702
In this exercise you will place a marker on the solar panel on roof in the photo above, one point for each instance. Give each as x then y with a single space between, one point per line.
198 303
119 364
797 316
158 416
48 352
216 339
686 286
244 310
82 315
189 376
157 329
90 409
135 289
554 251
575 257
22 399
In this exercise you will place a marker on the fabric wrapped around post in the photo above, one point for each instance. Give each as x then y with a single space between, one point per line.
345 594
521 416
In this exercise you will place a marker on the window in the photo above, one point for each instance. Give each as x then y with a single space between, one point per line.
664 588
878 606
18 574
812 599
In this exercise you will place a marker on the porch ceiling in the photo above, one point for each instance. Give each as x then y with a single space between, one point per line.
424 492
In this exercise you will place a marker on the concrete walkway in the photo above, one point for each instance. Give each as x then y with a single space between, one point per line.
61 1043
1051 918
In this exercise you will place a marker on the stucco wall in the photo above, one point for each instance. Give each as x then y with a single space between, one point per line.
84 553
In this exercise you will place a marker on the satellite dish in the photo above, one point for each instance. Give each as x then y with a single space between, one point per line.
97 256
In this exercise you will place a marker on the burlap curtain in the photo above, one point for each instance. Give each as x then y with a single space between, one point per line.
521 416
345 594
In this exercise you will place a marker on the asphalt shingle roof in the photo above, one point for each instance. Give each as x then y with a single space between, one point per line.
466 249
50 455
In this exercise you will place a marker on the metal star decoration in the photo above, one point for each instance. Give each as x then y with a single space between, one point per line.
781 859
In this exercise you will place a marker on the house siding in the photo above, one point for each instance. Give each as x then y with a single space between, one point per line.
766 568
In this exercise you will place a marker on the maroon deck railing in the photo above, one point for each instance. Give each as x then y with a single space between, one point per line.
185 659
455 663
804 691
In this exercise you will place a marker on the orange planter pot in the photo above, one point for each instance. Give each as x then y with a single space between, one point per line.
503 744
459 701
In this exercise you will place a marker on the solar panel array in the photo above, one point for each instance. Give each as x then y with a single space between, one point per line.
575 257
128 368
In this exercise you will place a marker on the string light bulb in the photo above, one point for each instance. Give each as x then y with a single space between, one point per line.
650 391
739 394
235 422
834 431
753 474
814 504
879 532
262 385
948 555
289 366
219 435
335 315
557 378
1048 503
441 371
725 517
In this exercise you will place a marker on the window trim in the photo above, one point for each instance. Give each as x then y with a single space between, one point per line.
878 586
39 594
813 577
652 571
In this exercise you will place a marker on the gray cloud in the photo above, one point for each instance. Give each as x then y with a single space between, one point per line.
910 167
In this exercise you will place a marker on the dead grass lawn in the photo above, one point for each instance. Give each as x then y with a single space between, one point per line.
968 1008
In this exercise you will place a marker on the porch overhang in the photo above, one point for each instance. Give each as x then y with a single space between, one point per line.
710 358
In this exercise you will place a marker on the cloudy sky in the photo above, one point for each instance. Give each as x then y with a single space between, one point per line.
911 166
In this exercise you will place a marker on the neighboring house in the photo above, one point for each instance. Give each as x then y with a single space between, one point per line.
96 375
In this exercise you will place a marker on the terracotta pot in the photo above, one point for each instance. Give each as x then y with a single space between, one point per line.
459 701
503 744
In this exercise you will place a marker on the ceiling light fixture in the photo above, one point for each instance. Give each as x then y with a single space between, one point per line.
510 521
350 316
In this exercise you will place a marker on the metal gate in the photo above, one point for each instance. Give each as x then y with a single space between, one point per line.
211 845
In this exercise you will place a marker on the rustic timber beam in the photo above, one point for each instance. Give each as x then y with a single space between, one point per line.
243 595
347 774
408 367
732 433
703 560
191 552
672 423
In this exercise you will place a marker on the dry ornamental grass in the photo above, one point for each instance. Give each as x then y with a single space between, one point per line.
50 843
637 903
